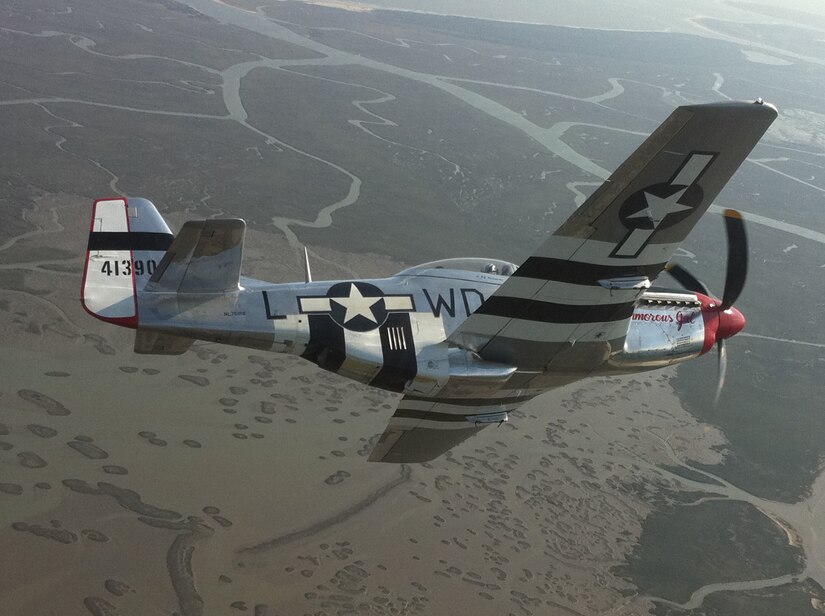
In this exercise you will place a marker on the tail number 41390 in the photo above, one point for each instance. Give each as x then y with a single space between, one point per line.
124 267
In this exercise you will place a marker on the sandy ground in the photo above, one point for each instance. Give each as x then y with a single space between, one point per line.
227 481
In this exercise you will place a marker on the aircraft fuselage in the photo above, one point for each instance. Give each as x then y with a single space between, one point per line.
392 333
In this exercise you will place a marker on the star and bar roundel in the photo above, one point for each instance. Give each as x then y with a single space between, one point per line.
663 205
356 306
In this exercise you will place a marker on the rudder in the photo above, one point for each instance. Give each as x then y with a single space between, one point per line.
127 239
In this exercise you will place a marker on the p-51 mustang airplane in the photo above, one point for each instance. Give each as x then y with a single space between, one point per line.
464 340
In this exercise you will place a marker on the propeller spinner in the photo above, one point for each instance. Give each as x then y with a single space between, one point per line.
722 320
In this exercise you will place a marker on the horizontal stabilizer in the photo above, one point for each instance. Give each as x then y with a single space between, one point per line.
156 343
205 257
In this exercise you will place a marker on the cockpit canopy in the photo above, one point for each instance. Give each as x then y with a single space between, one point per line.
496 267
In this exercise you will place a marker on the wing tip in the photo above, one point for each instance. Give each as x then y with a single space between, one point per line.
757 108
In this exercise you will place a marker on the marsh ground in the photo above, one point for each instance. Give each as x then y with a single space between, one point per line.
226 481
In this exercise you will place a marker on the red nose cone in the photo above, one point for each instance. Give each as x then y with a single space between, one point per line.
731 322
718 324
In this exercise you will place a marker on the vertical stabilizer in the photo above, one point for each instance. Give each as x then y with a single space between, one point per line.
127 239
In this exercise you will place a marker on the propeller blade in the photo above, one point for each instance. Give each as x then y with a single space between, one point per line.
722 369
686 279
737 258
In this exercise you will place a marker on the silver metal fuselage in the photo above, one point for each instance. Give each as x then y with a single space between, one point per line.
464 340
392 332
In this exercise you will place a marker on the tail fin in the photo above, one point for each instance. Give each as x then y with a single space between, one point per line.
127 240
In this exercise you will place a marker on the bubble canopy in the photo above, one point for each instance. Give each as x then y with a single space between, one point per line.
468 264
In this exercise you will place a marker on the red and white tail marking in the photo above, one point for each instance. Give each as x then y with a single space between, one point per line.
108 291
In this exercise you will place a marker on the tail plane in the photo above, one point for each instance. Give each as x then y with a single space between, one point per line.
133 258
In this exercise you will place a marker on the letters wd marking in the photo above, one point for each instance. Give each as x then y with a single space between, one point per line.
357 306
441 304
659 206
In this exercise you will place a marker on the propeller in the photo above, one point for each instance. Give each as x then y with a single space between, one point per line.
721 369
729 321
737 258
686 279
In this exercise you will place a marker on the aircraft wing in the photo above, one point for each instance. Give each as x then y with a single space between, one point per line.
568 307
422 429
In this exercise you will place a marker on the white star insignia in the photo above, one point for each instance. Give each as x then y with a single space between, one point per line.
357 305
658 208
